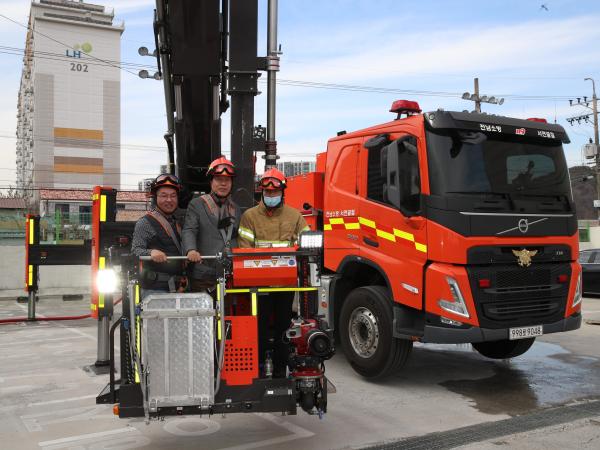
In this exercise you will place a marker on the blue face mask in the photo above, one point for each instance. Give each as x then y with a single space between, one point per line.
271 202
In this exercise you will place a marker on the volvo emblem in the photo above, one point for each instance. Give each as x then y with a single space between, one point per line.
523 226
524 256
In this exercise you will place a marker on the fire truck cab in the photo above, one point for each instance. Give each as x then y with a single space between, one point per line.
445 227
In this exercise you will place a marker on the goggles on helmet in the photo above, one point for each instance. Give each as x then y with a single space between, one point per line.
165 177
223 170
272 183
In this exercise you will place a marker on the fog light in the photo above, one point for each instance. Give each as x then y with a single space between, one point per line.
458 306
447 321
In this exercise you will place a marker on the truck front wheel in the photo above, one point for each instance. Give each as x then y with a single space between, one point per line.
503 349
366 333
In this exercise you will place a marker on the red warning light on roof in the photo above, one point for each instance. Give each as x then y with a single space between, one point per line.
537 119
405 106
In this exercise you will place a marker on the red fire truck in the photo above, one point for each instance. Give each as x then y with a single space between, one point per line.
444 227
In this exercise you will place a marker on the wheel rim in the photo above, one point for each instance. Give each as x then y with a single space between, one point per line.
363 332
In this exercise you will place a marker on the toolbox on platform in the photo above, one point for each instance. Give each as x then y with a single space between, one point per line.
177 350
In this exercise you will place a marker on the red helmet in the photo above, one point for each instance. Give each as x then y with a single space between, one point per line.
165 179
272 180
222 167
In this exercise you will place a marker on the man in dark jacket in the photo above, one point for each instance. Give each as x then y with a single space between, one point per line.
211 224
157 235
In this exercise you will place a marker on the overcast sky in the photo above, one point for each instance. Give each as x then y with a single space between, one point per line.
535 57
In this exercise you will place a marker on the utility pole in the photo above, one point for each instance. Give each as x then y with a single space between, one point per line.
475 97
595 112
592 152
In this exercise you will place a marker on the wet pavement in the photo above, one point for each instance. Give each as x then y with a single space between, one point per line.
47 400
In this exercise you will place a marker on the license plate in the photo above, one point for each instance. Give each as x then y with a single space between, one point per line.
525 332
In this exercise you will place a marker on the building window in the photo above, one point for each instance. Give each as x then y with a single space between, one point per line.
61 212
85 215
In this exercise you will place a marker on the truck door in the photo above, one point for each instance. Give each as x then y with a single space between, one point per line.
393 231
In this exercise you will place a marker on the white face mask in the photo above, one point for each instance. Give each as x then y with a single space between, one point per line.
271 202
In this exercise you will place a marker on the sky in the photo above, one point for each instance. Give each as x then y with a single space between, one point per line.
429 51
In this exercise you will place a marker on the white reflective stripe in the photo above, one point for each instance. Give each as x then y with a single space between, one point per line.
271 244
246 233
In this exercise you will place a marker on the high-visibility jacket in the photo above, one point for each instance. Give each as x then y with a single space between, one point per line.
279 227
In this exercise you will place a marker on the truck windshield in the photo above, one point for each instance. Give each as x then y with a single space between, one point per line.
467 162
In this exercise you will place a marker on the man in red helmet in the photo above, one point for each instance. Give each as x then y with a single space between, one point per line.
157 235
273 224
211 224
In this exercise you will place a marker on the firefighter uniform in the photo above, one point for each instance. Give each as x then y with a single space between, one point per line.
261 227
278 226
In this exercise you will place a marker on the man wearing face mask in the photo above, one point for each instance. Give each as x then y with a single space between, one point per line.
157 235
211 224
272 224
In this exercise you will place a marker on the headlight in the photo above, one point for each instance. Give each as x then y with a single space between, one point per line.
577 297
107 281
311 239
458 306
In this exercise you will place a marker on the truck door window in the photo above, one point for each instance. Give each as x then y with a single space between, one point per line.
375 179
393 175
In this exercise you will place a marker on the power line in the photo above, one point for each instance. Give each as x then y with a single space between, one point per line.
50 55
83 143
308 84
108 145
27 27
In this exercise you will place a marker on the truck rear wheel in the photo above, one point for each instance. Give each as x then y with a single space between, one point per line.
366 324
503 349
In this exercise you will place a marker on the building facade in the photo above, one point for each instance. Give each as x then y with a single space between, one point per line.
291 168
68 128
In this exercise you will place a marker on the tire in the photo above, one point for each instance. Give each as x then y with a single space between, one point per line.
366 333
503 349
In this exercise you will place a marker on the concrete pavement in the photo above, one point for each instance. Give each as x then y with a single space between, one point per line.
47 399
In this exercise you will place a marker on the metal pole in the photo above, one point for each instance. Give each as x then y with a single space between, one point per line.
167 82
477 100
272 69
103 357
31 306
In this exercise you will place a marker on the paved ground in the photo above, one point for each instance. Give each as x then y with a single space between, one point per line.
447 396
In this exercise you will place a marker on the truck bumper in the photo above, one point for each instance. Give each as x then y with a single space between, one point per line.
448 335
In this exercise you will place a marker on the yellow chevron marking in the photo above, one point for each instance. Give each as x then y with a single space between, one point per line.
421 247
404 235
366 222
386 235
